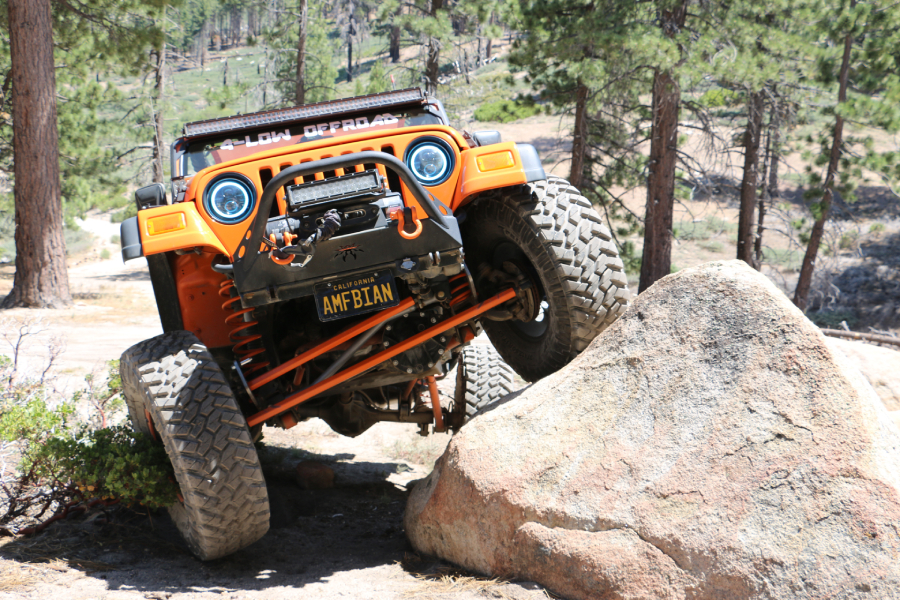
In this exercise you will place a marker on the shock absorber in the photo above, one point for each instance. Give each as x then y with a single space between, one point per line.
245 332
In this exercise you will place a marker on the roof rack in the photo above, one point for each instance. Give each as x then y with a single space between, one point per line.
287 116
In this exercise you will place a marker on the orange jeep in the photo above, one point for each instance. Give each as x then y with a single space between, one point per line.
332 260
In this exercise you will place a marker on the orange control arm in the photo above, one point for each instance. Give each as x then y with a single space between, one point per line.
373 361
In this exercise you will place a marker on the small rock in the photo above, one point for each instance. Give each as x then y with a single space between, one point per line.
312 475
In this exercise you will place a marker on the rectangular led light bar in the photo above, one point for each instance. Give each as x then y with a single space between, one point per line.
335 188
285 116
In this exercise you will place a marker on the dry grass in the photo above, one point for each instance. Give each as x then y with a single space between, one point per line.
418 450
15 577
448 581
451 582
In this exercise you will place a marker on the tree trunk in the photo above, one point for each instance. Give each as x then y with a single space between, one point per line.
350 33
763 200
41 279
204 43
300 97
159 148
395 44
252 21
750 181
801 294
432 63
656 261
236 26
466 65
775 150
579 138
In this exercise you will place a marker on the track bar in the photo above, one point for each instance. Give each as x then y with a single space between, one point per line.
373 361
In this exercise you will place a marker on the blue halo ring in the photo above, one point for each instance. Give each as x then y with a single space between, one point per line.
244 186
443 147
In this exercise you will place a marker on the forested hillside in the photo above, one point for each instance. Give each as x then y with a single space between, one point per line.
762 130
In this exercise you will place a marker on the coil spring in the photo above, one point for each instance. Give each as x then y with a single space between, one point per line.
242 335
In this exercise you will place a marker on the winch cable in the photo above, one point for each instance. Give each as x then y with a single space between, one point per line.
331 223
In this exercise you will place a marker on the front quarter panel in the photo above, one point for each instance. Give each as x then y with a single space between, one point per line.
196 233
473 179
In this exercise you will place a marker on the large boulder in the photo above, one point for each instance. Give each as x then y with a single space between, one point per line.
707 445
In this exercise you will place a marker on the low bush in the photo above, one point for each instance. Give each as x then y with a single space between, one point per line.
61 461
702 229
507 111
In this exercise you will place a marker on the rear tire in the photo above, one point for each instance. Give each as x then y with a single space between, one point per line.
174 379
483 378
555 237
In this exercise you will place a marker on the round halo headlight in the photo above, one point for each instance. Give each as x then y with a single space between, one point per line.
230 198
430 160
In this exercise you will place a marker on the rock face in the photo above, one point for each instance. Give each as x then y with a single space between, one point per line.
880 366
707 445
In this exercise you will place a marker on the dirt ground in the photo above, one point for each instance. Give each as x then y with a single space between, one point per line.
346 542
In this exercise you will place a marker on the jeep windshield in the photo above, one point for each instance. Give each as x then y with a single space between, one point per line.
203 153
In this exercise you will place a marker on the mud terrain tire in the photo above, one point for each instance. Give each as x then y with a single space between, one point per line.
175 380
483 378
554 230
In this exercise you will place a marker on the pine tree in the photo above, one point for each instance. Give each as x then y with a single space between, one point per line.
88 43
304 65
858 42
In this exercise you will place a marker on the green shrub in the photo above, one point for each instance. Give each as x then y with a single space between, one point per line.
832 319
61 459
712 246
788 259
702 229
849 240
112 463
126 213
876 227
631 258
719 98
506 111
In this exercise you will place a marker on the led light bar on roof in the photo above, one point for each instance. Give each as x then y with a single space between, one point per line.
286 116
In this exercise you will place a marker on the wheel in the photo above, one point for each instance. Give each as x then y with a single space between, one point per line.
549 233
173 380
482 378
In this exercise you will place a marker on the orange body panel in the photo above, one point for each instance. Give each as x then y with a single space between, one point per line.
473 180
198 293
476 170
196 233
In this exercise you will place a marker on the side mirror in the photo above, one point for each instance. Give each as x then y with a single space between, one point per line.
486 138
150 196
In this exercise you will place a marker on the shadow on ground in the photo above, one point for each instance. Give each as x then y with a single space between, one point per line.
314 534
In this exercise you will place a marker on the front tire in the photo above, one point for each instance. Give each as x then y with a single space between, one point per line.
552 234
174 380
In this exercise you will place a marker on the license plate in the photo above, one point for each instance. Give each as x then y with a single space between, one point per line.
356 295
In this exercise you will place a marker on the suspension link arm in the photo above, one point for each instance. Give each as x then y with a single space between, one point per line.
373 361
